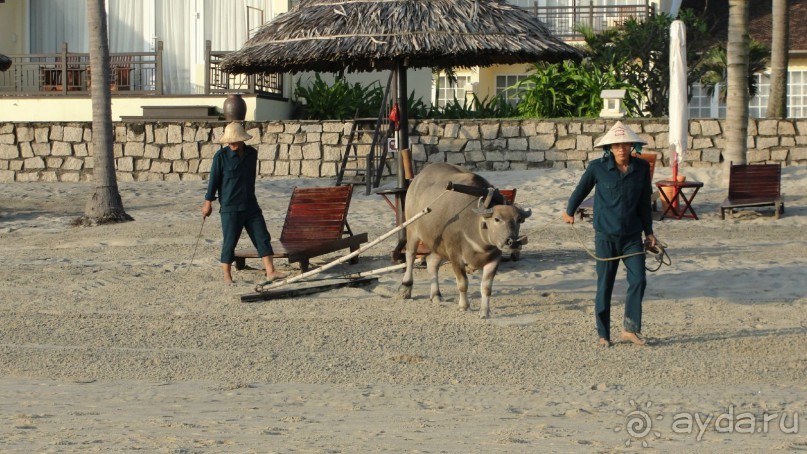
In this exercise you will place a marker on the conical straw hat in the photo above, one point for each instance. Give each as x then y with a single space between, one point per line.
234 132
619 133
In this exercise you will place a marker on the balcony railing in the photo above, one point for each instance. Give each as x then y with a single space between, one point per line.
68 73
564 20
131 74
219 81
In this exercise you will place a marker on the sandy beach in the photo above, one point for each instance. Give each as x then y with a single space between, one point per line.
112 341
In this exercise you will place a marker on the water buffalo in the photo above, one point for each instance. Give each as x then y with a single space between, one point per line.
468 230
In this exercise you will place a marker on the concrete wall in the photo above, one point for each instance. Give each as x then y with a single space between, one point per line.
183 151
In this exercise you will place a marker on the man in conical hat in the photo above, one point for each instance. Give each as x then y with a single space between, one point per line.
232 178
622 212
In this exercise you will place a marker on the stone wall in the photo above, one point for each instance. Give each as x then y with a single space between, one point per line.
184 150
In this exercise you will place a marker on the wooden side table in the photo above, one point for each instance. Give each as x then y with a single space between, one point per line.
678 192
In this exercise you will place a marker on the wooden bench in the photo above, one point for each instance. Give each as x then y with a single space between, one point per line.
315 224
587 207
754 185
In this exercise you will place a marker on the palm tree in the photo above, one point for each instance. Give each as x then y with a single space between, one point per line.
737 97
105 205
777 102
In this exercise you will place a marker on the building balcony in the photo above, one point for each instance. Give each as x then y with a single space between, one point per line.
131 74
563 21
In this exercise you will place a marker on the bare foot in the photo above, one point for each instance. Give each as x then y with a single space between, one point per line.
275 275
228 280
602 342
634 338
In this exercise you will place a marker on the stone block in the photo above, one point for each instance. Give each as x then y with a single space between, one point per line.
70 177
536 156
7 139
53 162
710 128
161 136
190 150
798 154
451 130
567 143
451 145
508 130
494 145
330 138
542 142
277 126
767 142
152 151
9 151
25 134
172 152
26 151
312 150
180 166
56 132
143 164
711 155
34 163
7 176
266 152
125 164
266 167
295 152
469 131
701 143
786 128
41 134
136 149
758 155
81 149
489 131
61 149
779 155
174 134
455 158
517 143
162 167
282 168
768 127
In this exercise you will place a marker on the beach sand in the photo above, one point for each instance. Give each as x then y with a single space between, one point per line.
113 341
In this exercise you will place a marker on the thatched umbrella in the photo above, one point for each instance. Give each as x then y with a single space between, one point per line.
5 62
371 35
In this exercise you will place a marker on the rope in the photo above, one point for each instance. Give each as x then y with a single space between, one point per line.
658 252
198 237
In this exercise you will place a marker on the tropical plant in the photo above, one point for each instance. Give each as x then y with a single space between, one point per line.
638 53
737 80
340 100
777 100
713 68
105 205
570 89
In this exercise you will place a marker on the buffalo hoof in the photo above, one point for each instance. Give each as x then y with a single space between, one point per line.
484 315
405 291
437 298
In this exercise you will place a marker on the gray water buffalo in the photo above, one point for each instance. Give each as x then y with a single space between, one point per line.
469 231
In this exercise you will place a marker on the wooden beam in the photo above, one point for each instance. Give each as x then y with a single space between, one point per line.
306 288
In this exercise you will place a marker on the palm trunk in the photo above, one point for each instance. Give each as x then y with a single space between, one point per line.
737 90
777 102
105 205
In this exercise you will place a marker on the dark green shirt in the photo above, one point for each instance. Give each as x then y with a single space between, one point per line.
233 178
621 201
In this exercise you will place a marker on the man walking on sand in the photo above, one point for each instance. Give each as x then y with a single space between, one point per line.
621 214
232 176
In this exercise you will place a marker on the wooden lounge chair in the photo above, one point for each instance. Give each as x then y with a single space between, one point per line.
316 222
587 207
754 185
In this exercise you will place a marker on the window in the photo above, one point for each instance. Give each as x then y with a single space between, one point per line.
797 94
701 105
448 91
758 105
505 87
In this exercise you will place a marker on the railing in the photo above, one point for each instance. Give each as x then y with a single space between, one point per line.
219 81
69 73
563 20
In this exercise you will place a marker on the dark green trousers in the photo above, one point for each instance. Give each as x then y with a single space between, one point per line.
234 222
606 275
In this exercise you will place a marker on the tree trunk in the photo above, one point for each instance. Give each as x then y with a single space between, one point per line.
737 90
777 102
105 205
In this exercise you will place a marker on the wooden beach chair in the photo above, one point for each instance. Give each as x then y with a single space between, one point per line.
752 186
315 224
587 207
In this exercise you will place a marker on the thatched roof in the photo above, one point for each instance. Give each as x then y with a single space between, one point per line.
369 35
5 62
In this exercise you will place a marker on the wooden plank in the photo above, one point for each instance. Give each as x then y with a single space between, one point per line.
306 288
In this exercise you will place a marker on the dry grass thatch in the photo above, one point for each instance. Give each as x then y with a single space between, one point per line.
368 35
5 62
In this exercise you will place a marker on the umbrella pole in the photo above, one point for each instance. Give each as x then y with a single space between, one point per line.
401 142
